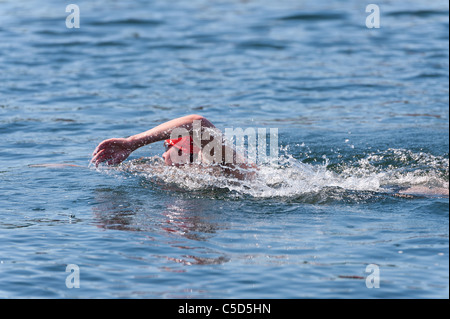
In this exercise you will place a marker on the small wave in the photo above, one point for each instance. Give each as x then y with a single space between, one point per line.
110 44
315 16
261 45
417 13
373 176
130 21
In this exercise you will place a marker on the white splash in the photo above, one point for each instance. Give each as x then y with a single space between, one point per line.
382 172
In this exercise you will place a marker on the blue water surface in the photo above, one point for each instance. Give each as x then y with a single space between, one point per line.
360 113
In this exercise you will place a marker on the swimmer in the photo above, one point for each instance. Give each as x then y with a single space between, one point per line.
182 149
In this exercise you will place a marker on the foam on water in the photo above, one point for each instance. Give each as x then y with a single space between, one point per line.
386 172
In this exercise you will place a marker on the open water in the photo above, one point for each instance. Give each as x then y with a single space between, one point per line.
361 113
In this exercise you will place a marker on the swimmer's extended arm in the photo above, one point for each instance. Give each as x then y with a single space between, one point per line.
116 150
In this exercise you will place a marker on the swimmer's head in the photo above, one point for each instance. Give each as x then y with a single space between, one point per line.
179 151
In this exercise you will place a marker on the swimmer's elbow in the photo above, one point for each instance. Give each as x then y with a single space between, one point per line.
204 121
196 117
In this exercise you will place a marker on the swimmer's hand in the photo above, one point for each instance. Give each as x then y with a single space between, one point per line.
112 151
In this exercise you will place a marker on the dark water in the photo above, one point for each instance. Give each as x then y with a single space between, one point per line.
360 112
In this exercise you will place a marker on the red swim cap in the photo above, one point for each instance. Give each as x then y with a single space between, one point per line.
185 144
